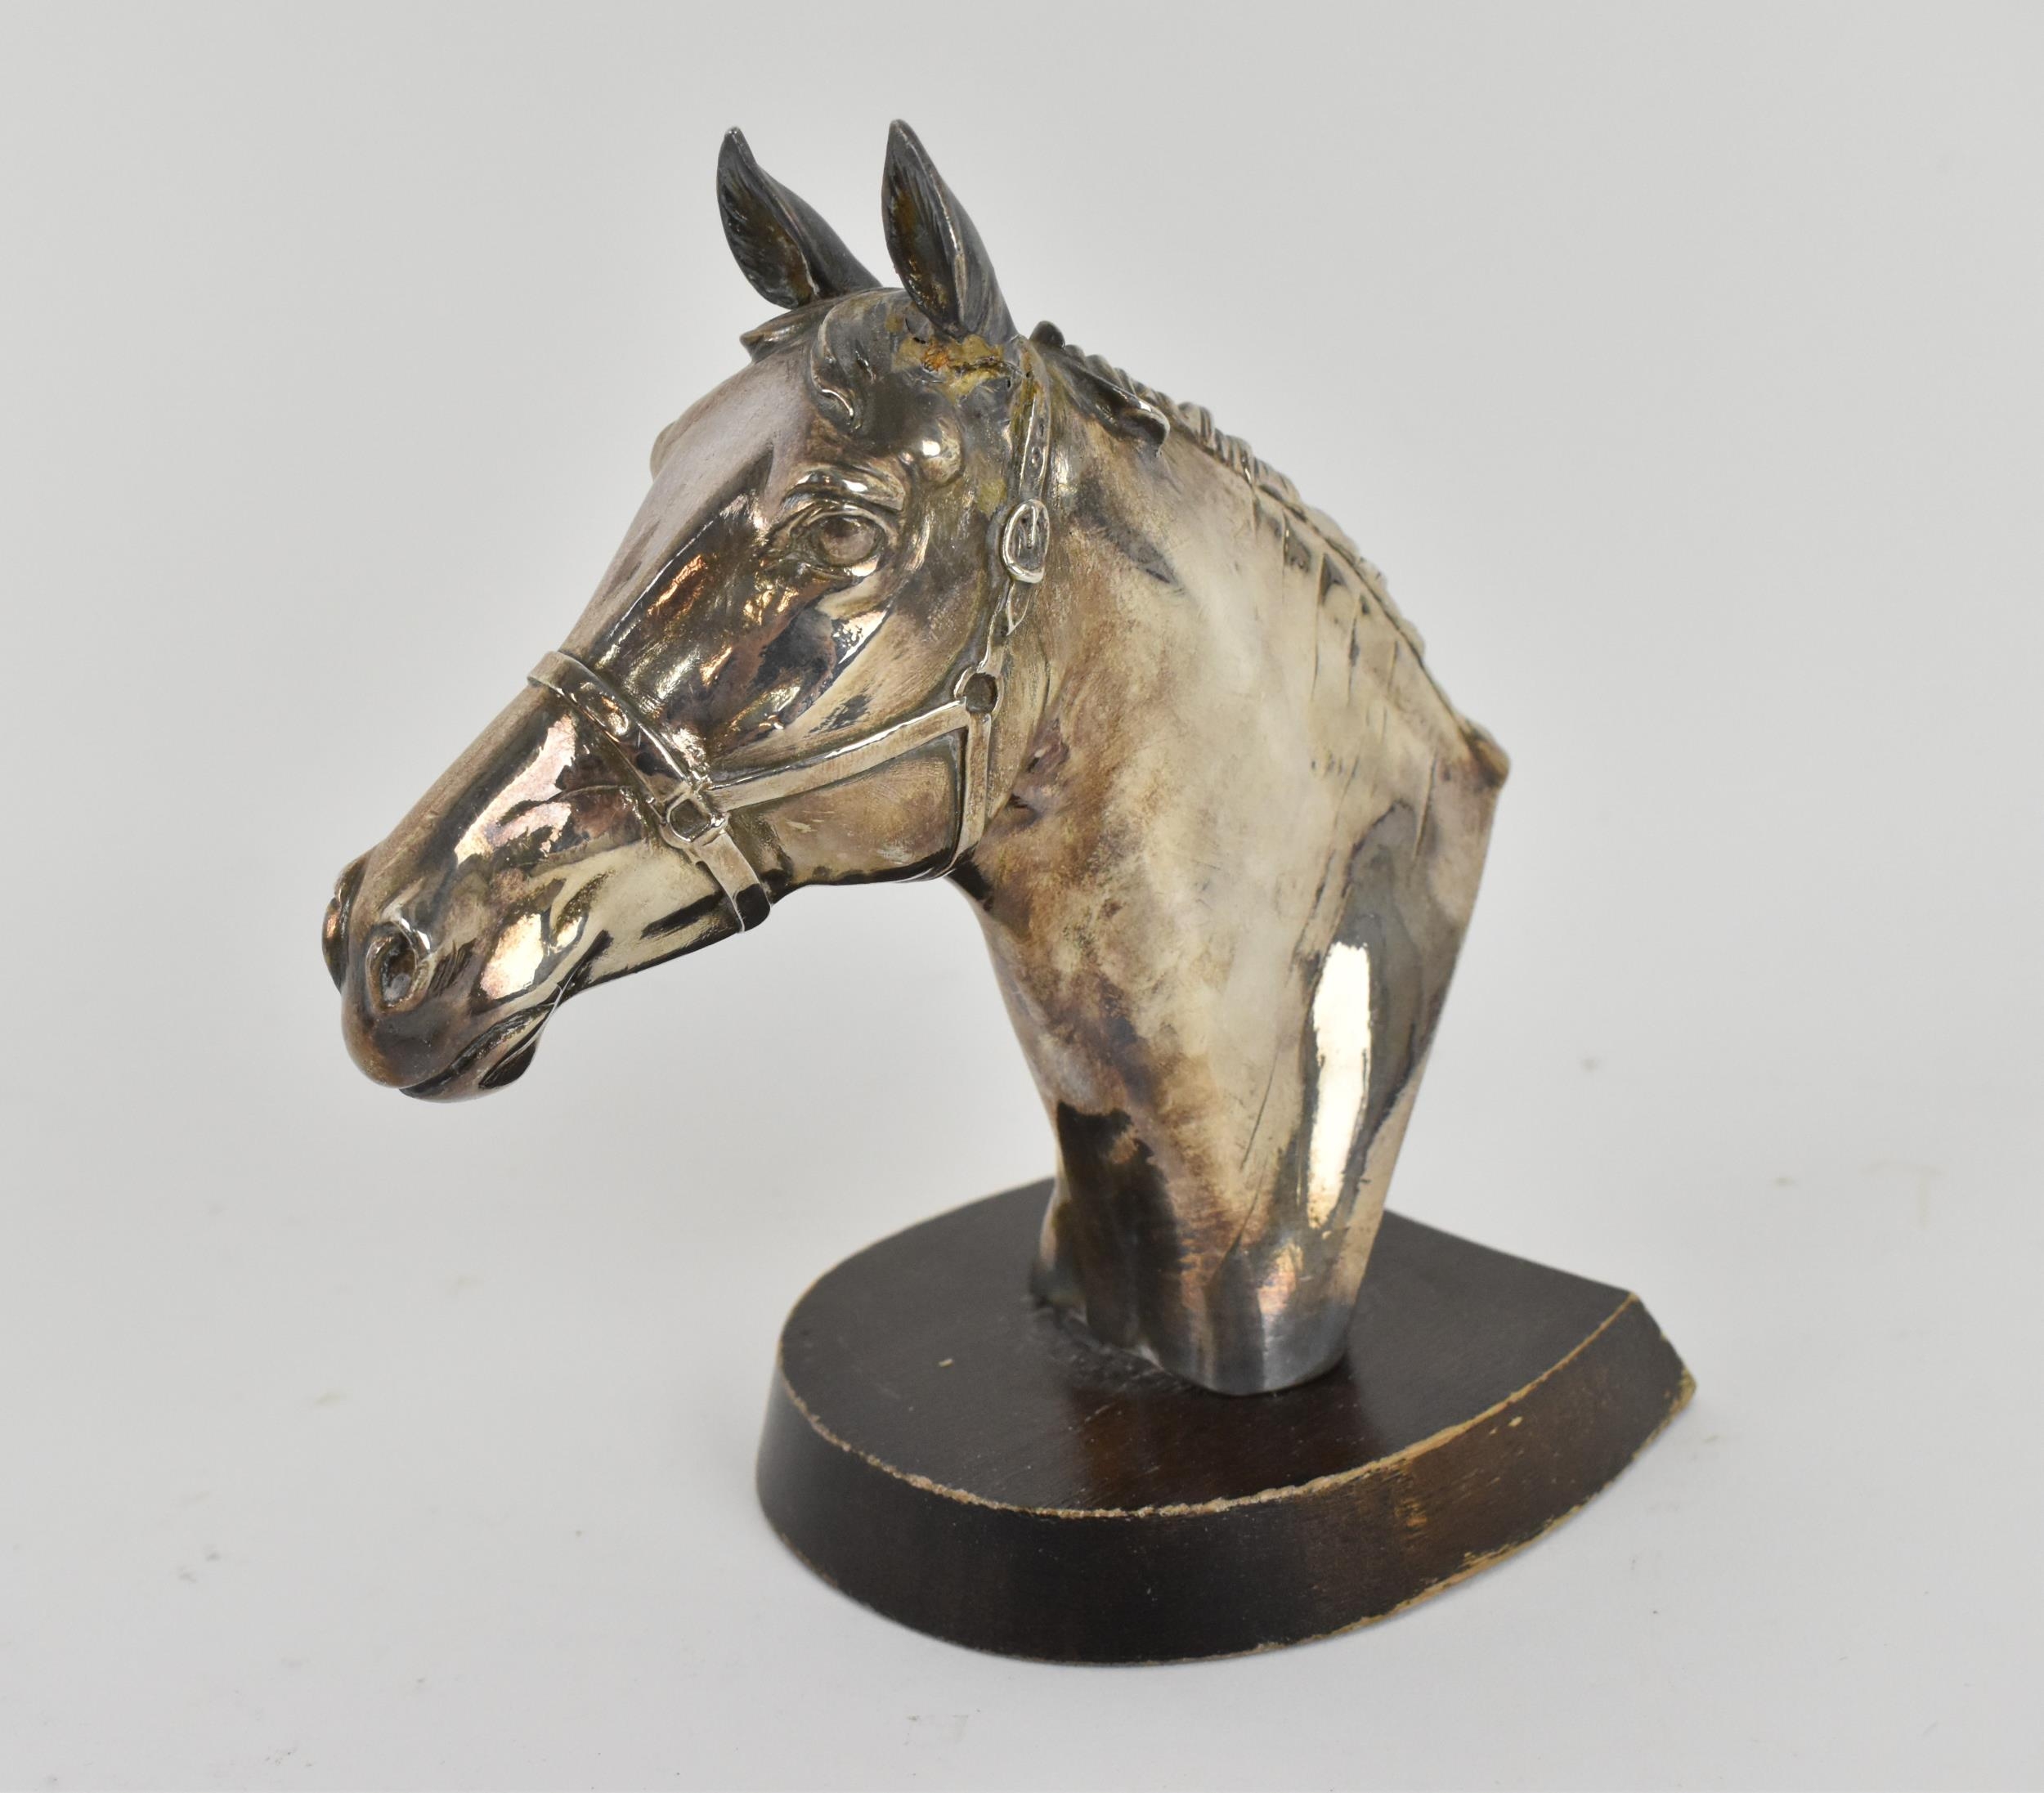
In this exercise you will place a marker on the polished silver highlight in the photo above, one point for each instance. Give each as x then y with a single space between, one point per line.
913 595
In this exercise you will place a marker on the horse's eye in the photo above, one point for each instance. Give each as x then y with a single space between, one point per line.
843 539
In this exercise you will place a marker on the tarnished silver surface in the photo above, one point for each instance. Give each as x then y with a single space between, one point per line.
914 595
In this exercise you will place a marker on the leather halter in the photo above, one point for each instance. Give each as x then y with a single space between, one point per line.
692 806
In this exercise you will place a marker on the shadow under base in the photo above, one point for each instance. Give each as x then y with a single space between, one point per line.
944 1448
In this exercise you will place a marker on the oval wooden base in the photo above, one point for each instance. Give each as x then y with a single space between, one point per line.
943 1448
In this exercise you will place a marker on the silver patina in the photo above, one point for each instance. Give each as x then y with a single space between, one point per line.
914 595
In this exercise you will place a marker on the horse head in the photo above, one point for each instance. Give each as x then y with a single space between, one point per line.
1222 828
797 669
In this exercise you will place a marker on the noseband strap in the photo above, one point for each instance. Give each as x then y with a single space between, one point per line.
692 808
671 776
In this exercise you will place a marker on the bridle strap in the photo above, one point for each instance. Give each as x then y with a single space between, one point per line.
671 776
691 808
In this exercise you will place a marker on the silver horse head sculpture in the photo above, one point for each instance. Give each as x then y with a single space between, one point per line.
913 595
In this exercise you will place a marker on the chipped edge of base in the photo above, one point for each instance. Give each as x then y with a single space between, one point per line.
1683 1390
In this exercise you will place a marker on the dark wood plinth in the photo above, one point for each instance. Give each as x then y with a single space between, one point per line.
942 1448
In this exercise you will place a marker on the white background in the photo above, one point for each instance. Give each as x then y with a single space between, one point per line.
1685 372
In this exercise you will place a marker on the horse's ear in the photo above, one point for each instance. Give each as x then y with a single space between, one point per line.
937 253
787 252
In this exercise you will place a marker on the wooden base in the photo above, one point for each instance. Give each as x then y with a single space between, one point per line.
943 1448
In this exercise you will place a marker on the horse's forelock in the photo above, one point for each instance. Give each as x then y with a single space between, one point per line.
875 365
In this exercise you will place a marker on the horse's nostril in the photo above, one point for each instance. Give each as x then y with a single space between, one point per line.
395 969
394 966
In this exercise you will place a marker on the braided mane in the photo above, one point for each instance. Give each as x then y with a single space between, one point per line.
1264 481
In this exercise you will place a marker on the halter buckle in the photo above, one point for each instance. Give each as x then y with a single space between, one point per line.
1025 540
689 834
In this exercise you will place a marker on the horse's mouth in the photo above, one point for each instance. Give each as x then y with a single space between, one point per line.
498 1056
503 1054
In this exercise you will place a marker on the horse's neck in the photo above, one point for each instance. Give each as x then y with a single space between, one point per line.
1227 727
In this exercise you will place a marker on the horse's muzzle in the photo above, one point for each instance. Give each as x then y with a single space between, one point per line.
383 967
402 1028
